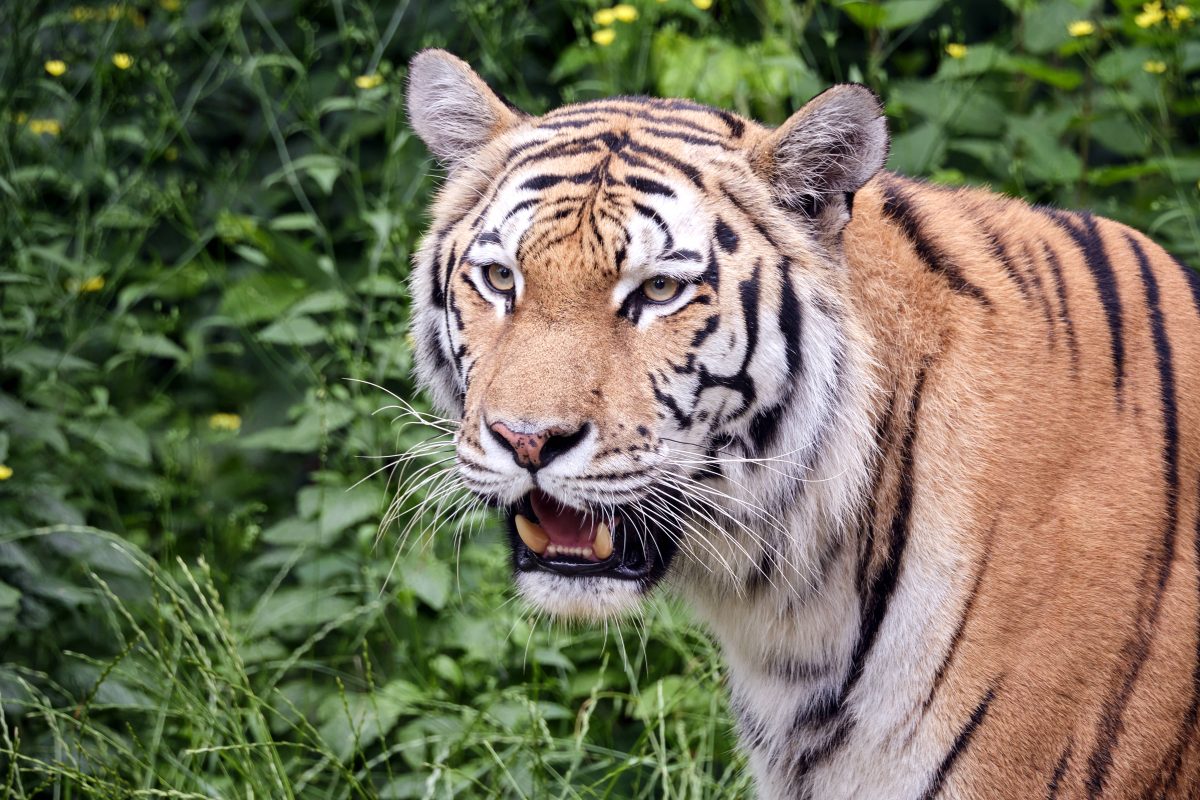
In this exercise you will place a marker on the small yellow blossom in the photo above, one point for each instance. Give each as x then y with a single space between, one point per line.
50 127
604 17
225 422
956 50
81 14
1155 67
703 5
1152 14
55 67
604 37
5 472
92 284
1081 27
170 5
368 81
625 12
1179 15
122 60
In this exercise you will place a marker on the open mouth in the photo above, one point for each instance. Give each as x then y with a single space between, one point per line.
552 537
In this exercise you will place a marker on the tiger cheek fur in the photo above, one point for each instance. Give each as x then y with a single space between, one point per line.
924 460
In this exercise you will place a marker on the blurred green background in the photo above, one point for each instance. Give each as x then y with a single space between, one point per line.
207 211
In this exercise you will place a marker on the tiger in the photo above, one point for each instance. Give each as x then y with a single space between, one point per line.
923 460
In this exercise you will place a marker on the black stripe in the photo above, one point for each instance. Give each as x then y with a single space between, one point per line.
692 173
1000 253
898 207
1138 648
687 138
1091 245
1060 769
659 222
710 327
961 742
740 206
1040 289
541 182
790 319
648 186
968 609
1064 312
726 238
1193 279
877 592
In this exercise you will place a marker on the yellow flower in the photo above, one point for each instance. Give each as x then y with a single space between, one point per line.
122 60
1179 15
625 12
368 81
81 14
1155 67
92 284
5 472
170 5
703 5
1152 14
604 17
50 127
1081 27
956 50
55 67
604 37
225 422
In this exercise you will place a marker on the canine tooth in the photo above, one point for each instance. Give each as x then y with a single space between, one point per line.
603 546
532 535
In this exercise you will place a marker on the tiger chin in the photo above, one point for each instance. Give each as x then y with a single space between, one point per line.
924 460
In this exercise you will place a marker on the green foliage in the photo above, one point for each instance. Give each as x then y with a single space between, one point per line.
206 215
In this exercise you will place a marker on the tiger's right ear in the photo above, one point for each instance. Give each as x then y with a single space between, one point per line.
451 108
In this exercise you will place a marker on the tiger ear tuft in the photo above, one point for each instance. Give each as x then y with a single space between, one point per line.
826 150
451 108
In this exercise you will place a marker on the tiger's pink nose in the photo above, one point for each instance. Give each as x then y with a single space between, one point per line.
535 450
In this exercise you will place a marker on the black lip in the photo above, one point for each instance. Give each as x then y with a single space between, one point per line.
641 555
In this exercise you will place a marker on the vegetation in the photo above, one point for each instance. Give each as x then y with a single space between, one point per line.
207 209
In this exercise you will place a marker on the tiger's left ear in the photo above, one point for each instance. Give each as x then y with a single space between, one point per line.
451 108
825 151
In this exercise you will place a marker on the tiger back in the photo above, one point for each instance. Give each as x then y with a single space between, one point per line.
925 461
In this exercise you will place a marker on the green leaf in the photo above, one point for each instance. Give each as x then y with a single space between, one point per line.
300 331
10 606
306 435
120 438
429 579
322 169
1044 26
343 508
261 296
918 151
297 608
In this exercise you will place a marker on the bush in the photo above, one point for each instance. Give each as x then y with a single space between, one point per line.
208 213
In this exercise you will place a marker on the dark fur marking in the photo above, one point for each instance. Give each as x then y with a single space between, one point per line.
648 186
1137 648
1091 246
791 320
726 237
898 207
1064 312
1060 769
710 327
961 742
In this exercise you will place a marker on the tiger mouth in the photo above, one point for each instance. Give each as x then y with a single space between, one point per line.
550 537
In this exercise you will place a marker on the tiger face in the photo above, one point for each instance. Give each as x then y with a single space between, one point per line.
591 304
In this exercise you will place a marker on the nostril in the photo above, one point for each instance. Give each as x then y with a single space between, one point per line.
559 443
538 448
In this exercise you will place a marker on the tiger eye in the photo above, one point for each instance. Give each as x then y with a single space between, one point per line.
661 289
500 278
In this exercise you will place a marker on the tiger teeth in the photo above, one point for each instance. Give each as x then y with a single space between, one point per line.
603 546
532 535
560 550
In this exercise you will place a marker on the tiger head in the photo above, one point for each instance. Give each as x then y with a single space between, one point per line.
635 308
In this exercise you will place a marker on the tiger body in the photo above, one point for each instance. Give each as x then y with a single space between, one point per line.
938 450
